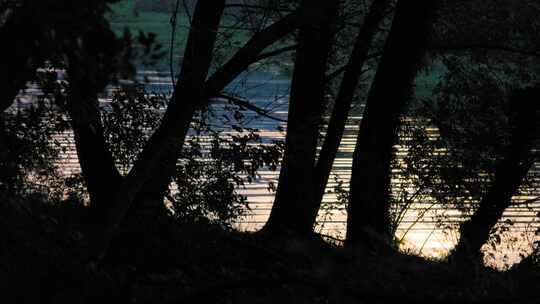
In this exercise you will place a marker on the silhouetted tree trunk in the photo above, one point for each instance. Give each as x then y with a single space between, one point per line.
153 191
294 209
89 70
368 210
25 46
509 175
159 156
4 152
185 101
340 112
100 173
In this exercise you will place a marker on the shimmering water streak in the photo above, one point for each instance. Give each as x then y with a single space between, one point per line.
418 229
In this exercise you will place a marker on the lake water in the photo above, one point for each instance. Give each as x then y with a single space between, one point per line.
418 230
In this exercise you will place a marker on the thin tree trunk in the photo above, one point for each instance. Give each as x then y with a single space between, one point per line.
153 191
158 158
185 100
509 175
340 112
168 140
294 209
368 220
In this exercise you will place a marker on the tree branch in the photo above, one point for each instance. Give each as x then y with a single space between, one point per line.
249 53
276 52
526 202
246 104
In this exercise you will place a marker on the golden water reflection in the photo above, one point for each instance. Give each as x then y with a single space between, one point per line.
420 231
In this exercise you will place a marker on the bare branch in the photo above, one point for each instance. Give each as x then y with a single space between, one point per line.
248 105
526 202
276 52
249 53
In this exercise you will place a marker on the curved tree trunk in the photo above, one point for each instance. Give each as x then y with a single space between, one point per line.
340 112
509 175
153 192
158 158
294 209
368 220
97 164
20 56
185 101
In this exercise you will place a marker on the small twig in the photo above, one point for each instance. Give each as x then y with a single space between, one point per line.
173 34
332 238
426 240
420 216
246 104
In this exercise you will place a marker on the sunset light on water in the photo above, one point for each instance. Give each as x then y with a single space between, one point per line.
268 151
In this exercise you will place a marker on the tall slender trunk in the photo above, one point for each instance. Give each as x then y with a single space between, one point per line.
509 175
368 210
164 145
294 209
185 100
154 190
158 158
340 112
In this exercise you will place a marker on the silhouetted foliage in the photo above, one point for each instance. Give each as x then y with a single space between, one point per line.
151 216
212 166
